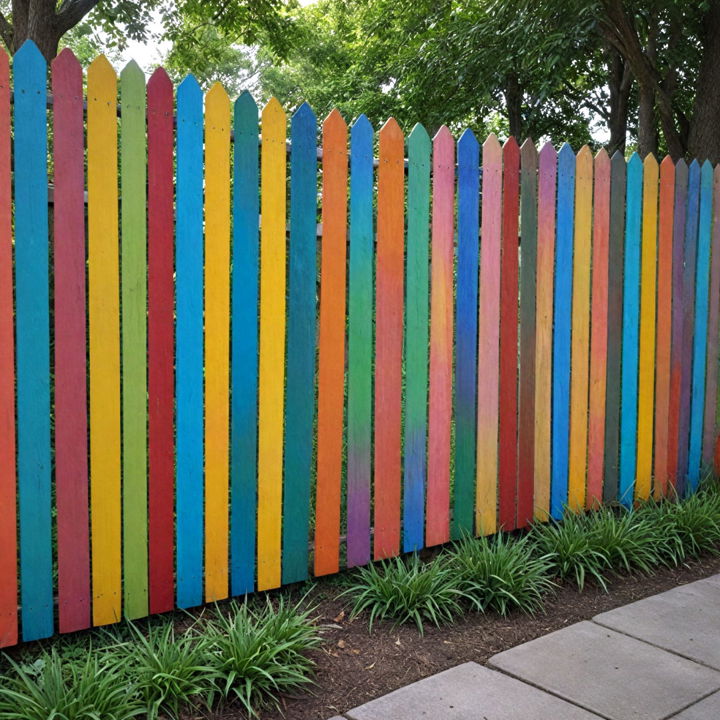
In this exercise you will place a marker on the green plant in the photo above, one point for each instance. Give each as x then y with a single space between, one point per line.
52 687
571 550
407 591
170 670
502 573
261 653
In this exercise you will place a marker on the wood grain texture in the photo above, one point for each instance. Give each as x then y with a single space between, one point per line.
547 179
489 339
616 251
388 339
437 527
189 259
271 391
8 467
302 334
104 331
702 289
244 368
161 350
217 341
468 233
509 288
331 345
417 314
71 463
133 268
562 322
528 328
598 330
580 347
646 366
664 329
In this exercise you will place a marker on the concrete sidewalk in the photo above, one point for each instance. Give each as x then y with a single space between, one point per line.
655 659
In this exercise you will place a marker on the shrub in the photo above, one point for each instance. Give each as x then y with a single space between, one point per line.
261 653
52 687
571 550
501 573
407 591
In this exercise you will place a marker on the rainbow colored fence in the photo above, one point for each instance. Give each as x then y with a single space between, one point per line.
192 388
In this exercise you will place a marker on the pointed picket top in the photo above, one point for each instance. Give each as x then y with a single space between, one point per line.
565 152
635 162
189 88
160 80
443 135
334 123
491 147
602 159
667 160
132 71
361 129
650 168
29 54
419 138
304 113
528 151
245 102
217 97
694 165
390 130
547 152
273 111
511 150
706 170
585 153
467 140
617 162
66 61
100 70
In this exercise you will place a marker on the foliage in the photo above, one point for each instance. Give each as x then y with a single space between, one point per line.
258 654
408 591
502 573
53 687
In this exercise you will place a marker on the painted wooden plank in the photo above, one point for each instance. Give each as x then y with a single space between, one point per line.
664 329
437 527
71 464
616 245
528 328
104 327
189 257
547 177
562 317
272 346
468 235
646 363
416 339
710 425
702 289
598 330
489 339
630 332
134 341
689 283
580 348
508 412
8 468
676 353
244 369
360 337
161 350
389 336
217 341
300 404
331 345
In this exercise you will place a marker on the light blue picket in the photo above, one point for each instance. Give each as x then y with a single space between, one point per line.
33 341
244 366
468 223
301 343
562 313
702 290
630 329
189 343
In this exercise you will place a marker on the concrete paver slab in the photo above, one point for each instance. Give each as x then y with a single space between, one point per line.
678 620
469 692
707 709
615 676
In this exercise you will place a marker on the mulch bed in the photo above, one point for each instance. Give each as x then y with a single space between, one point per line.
354 666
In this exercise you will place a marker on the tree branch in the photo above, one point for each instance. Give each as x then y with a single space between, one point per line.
71 12
6 32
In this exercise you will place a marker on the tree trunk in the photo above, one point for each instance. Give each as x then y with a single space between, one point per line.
513 101
647 129
704 138
36 20
620 83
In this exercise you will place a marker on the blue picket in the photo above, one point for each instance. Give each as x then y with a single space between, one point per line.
301 341
701 321
562 314
468 223
33 341
630 330
189 343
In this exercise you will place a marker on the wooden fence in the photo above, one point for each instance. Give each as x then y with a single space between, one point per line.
194 401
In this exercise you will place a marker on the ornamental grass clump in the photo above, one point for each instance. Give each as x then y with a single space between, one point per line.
259 654
501 574
408 591
54 687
